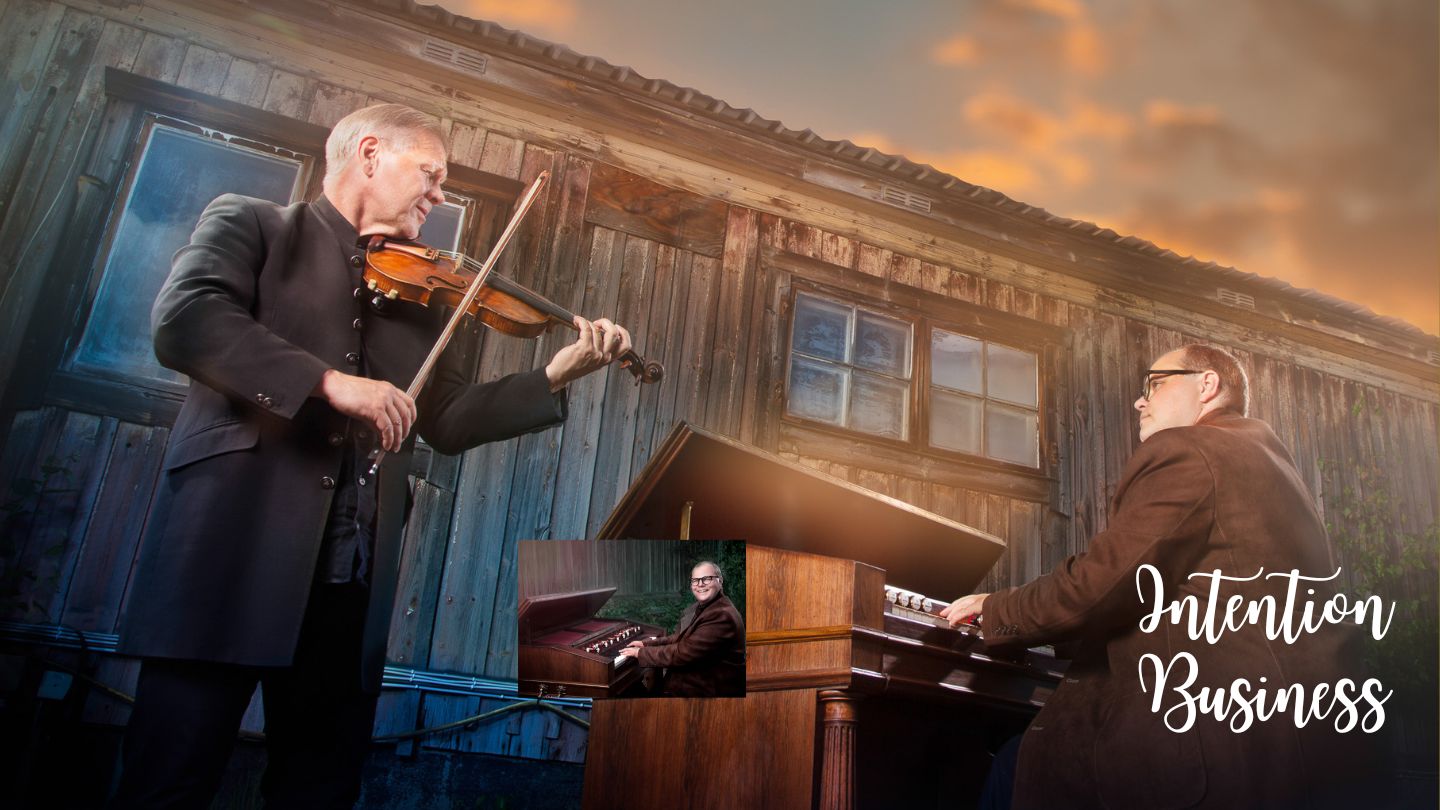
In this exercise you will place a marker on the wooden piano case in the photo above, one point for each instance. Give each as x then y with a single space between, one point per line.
847 704
567 651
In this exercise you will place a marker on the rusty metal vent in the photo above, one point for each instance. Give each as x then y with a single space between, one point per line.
461 59
1235 299
1434 357
904 199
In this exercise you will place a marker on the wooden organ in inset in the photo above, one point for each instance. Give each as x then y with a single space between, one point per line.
568 651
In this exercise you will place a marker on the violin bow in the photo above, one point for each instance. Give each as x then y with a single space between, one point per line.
423 375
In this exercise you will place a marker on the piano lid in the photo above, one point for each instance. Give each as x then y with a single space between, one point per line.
741 493
542 612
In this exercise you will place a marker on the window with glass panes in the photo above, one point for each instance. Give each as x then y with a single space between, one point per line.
179 170
983 398
850 367
854 368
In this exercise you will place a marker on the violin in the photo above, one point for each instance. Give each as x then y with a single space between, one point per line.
409 271
401 270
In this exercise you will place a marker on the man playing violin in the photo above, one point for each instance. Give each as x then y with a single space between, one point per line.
270 556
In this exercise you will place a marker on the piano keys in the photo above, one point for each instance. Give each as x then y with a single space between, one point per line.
568 651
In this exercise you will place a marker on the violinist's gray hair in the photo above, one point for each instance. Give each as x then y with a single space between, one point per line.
396 124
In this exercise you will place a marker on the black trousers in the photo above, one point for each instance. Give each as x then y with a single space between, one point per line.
317 719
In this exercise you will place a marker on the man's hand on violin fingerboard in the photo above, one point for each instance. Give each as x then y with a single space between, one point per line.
598 345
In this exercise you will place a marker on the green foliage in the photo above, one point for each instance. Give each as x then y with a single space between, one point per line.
661 610
1382 559
664 610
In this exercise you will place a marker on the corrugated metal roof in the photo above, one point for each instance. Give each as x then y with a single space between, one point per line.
519 44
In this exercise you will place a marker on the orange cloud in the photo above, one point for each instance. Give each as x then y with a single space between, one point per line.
1084 50
1011 174
1069 10
1054 147
1010 118
961 51
1165 113
538 16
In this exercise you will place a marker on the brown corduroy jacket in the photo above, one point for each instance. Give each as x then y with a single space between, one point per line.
1220 495
705 656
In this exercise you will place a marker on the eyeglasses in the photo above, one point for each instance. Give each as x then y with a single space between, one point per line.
706 580
1155 375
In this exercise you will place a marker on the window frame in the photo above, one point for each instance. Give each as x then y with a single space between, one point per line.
787 274
858 307
1038 351
74 339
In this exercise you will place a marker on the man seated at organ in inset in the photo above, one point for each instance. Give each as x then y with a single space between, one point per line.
705 656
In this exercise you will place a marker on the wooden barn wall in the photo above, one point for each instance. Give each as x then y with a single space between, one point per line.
685 272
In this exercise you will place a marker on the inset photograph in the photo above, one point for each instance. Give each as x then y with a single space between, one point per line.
632 618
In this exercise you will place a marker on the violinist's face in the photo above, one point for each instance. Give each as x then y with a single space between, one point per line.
402 184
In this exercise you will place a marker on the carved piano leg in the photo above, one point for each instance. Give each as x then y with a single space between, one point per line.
837 777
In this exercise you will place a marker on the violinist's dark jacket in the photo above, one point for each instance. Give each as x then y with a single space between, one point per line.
257 307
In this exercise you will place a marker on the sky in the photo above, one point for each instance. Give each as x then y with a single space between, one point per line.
1295 139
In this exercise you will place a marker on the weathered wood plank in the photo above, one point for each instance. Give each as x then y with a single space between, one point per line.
246 82
331 103
641 207
161 57
71 477
1114 399
904 270
699 336
617 437
963 286
398 712
501 155
203 70
1088 426
769 322
727 384
422 558
111 544
467 141
838 250
34 172
288 95
578 451
657 401
872 260
30 31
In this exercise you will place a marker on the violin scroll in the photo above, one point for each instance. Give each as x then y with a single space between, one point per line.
644 371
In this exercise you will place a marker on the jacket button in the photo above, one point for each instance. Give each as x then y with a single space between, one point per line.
335 439
356 261
362 434
359 291
327 482
353 358
265 400
355 324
